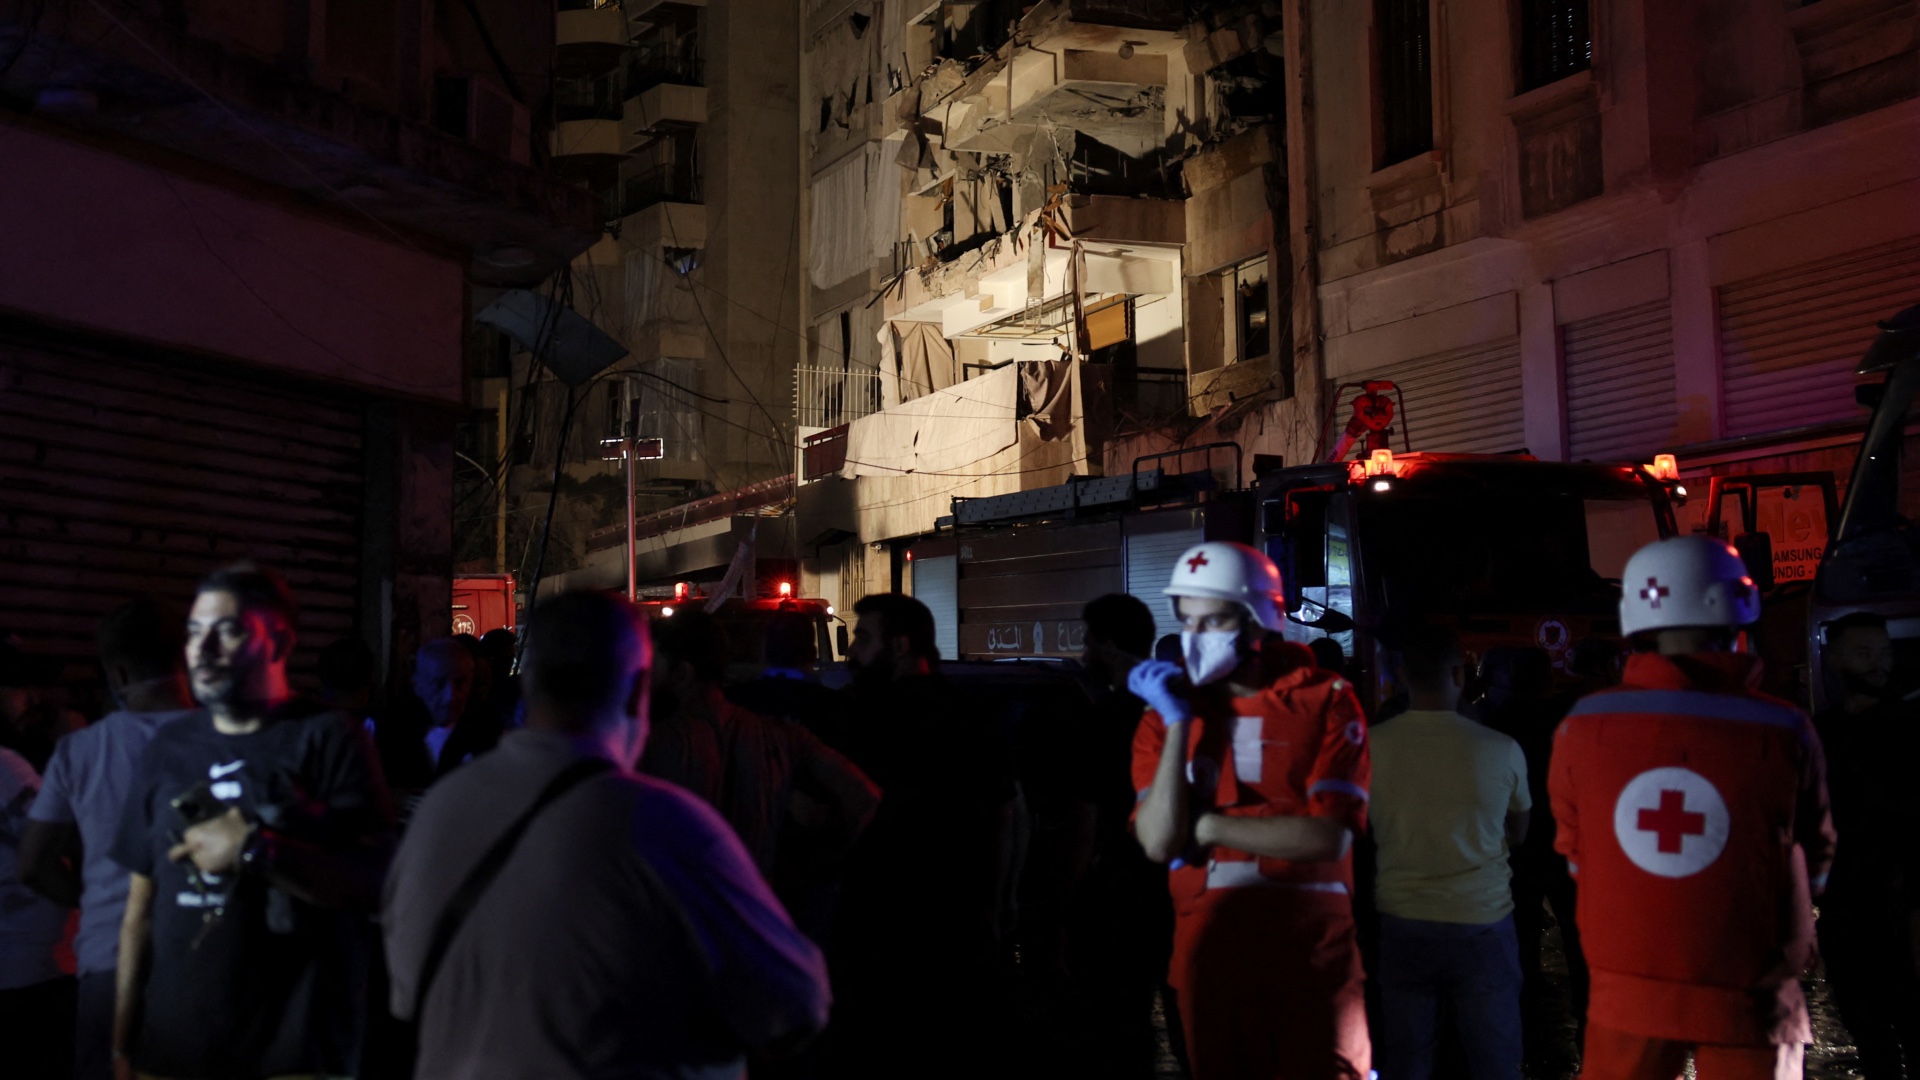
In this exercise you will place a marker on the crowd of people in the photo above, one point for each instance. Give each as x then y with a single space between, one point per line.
589 855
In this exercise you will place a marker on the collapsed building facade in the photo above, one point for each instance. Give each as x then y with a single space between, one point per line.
1036 240
1054 241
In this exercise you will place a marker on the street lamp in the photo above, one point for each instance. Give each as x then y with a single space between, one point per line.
630 449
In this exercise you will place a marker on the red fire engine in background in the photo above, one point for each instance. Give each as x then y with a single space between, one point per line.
483 602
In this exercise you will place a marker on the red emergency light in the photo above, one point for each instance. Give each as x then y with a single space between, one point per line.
786 588
1665 468
680 589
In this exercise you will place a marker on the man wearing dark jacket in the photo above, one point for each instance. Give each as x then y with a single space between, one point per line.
919 921
1866 918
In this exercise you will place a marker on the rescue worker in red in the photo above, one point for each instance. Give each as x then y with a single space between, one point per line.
1693 814
1252 770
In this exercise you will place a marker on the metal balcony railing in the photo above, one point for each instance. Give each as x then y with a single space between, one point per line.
649 65
587 99
823 454
1151 393
830 397
662 183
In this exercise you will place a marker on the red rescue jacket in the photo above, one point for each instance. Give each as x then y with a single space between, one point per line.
1694 812
1296 749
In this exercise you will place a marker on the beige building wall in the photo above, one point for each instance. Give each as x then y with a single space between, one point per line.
1681 245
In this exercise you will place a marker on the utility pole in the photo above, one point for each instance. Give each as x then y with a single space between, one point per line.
503 468
633 582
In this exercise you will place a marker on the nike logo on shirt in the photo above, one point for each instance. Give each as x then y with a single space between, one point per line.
218 771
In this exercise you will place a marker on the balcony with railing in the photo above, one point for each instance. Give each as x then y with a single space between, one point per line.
676 61
831 397
588 118
597 24
670 182
597 98
823 454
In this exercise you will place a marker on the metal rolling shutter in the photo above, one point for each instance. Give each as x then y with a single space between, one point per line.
935 584
1789 341
1463 401
1021 591
1620 395
121 477
1150 558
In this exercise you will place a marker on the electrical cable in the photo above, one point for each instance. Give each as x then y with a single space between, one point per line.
718 345
26 37
689 391
241 280
553 497
500 65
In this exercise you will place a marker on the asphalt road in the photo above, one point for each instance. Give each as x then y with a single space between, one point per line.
1555 1055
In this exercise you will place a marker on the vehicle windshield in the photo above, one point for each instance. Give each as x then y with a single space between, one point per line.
1476 553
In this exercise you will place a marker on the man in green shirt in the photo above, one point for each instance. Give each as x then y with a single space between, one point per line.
1449 798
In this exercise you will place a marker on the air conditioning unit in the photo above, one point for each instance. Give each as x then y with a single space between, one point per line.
484 114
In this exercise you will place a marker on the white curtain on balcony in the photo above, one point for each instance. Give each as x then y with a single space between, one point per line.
839 228
655 291
946 432
856 214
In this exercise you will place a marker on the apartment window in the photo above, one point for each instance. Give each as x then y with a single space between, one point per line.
1556 40
1252 334
1405 79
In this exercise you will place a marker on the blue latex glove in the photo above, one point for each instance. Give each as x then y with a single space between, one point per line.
1161 685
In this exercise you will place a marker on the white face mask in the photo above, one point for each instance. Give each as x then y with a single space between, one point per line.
1211 655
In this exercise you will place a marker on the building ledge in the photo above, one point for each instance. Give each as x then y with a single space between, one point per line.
591 138
667 103
603 26
665 224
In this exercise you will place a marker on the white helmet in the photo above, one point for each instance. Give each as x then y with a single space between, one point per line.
1686 581
1224 571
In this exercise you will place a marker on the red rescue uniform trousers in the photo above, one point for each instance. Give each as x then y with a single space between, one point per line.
1617 1055
1269 986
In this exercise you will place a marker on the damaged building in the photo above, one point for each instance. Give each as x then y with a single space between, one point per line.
1040 242
1037 238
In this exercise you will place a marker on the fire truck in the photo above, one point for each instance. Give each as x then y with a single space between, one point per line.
745 621
1508 549
483 602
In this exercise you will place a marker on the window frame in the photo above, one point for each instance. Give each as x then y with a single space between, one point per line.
1386 156
1518 14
